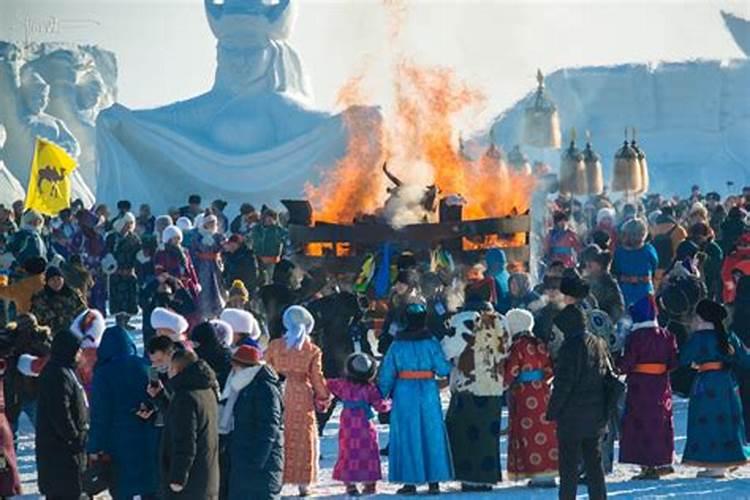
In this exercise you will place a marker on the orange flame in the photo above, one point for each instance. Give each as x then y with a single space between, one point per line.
428 100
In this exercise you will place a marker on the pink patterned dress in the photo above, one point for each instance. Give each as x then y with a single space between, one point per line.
359 453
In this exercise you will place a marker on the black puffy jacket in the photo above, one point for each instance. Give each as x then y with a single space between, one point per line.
190 440
62 421
578 403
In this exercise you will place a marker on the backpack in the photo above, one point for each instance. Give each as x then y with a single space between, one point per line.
664 249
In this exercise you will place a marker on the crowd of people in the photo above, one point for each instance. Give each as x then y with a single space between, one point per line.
246 354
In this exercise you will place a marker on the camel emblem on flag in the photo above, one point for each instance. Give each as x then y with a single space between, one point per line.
53 177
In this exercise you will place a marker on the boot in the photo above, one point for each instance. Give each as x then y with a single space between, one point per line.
713 473
647 474
433 489
351 490
304 491
370 489
407 490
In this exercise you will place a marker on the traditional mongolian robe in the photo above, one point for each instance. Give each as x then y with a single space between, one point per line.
634 270
123 284
304 389
532 439
176 262
476 344
716 429
92 248
647 430
418 449
359 453
562 245
205 252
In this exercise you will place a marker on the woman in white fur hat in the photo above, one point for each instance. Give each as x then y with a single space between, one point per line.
175 261
205 251
532 439
123 246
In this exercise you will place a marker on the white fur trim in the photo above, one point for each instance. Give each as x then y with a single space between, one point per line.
28 365
241 321
644 324
519 321
92 336
171 232
168 320
184 223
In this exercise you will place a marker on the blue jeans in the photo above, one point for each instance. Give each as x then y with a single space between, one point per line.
29 408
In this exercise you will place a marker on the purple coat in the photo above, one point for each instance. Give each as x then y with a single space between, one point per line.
647 436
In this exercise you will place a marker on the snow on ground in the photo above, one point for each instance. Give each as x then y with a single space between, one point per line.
681 485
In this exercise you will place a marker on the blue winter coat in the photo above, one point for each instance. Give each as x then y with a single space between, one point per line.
716 428
418 449
119 387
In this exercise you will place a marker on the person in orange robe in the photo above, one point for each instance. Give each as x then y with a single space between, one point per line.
299 361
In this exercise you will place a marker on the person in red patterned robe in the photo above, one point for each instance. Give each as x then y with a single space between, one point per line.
532 439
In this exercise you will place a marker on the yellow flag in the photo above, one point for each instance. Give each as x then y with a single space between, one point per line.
49 189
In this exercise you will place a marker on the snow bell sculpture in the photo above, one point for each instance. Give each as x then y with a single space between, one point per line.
642 164
573 169
541 126
518 161
593 163
627 172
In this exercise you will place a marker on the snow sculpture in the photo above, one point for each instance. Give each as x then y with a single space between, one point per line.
10 189
25 98
78 93
692 117
55 91
252 137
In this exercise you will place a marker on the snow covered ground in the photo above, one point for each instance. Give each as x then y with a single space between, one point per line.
681 485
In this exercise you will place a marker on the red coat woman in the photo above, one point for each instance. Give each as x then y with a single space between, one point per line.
10 481
532 439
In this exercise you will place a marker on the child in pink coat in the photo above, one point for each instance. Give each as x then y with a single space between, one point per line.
359 455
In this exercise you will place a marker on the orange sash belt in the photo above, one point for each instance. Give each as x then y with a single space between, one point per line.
711 366
650 368
273 259
207 255
416 375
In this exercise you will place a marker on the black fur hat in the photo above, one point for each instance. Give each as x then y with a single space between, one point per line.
360 368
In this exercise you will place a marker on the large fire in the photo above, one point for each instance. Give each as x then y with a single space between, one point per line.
428 100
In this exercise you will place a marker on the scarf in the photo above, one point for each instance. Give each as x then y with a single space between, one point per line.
237 381
207 237
299 324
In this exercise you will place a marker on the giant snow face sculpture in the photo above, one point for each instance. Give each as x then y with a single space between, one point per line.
477 344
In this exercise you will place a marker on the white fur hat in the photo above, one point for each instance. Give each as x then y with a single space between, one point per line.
168 320
198 222
241 321
184 223
223 331
29 365
171 232
605 213
519 321
205 220
119 224
89 327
